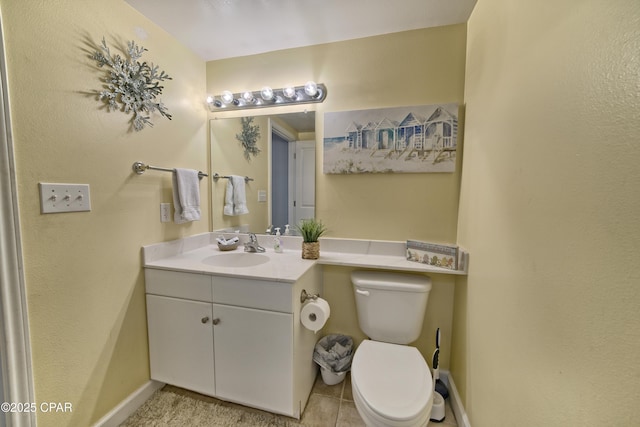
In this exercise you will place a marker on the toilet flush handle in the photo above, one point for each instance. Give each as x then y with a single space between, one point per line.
361 292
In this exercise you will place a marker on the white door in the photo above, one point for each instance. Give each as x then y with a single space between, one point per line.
304 181
254 357
181 343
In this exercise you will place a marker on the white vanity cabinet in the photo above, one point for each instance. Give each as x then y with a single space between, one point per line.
233 338
180 343
254 357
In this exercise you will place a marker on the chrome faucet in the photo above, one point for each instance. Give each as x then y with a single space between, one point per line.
252 245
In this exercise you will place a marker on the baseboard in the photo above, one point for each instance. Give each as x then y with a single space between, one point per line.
128 406
455 400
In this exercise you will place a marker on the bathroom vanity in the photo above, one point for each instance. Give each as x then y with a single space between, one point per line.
228 324
233 338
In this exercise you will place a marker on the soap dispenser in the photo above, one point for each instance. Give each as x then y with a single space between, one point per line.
277 242
287 232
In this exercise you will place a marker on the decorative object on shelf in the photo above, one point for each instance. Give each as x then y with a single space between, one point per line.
398 140
438 255
311 229
249 137
131 86
311 92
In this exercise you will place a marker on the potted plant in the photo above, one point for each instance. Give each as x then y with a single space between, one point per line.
311 229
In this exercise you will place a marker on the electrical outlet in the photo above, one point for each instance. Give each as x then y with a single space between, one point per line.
165 212
57 198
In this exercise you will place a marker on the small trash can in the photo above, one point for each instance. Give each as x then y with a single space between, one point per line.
334 354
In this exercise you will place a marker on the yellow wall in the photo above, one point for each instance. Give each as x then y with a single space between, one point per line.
411 68
547 331
83 271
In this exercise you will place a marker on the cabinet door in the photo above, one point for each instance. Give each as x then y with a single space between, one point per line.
254 357
181 343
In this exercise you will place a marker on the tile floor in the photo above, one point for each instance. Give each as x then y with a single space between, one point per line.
328 406
333 406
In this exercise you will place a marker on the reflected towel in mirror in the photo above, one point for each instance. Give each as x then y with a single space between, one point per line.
235 201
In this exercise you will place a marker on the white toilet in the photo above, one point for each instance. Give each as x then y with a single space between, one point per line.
391 382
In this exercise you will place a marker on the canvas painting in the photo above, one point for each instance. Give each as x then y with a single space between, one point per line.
391 140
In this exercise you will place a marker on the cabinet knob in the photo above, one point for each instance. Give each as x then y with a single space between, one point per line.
205 319
215 321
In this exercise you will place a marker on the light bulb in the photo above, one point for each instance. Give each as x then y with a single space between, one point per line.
289 92
248 97
311 88
266 93
227 97
210 99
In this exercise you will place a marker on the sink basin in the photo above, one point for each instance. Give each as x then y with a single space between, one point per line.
236 260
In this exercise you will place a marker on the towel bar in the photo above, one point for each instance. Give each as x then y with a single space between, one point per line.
139 168
217 176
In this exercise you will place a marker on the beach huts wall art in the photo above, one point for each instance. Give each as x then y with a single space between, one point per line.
391 140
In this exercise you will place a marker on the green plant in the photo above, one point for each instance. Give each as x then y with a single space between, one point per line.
311 229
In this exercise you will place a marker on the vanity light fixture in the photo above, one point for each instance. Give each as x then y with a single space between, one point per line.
311 92
215 102
290 92
266 93
229 98
248 98
311 89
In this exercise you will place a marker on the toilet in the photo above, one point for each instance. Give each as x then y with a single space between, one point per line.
391 382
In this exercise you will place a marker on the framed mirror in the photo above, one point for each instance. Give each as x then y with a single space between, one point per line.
282 186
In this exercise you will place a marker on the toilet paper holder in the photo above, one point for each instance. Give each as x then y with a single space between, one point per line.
304 296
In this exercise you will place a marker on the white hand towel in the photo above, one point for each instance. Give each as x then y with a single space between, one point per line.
235 202
239 195
186 195
228 198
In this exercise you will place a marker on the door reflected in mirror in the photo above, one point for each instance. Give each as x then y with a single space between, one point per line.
283 188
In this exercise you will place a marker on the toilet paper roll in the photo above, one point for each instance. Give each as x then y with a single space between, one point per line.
314 314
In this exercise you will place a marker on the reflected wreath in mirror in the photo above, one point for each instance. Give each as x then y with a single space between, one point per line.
249 137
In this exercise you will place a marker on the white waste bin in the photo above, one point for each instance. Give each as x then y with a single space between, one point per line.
334 354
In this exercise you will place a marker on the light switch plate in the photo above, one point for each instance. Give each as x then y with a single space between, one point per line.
262 195
57 198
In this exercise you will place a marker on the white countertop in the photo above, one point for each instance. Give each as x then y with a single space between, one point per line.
284 267
191 254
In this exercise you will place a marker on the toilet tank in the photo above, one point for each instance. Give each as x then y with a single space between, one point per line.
391 306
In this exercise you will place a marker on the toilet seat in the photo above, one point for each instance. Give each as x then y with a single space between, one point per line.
392 384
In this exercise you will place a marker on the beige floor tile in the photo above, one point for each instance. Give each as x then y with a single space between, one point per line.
347 394
348 415
327 390
321 411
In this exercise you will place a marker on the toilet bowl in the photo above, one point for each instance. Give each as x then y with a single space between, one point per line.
392 385
391 382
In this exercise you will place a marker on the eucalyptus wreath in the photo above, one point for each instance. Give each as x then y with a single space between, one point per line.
131 86
249 137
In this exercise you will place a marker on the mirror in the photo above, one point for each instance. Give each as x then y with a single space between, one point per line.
282 189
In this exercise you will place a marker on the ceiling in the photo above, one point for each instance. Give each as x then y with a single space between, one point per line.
218 29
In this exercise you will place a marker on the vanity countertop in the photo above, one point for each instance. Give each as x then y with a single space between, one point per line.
192 254
282 267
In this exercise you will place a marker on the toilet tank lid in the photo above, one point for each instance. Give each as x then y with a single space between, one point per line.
391 281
